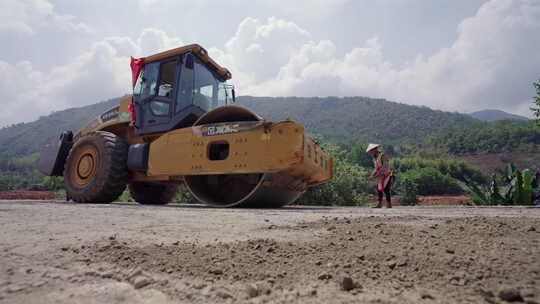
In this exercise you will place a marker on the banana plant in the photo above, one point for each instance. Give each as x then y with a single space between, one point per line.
478 193
535 183
527 192
510 173
517 183
521 189
498 197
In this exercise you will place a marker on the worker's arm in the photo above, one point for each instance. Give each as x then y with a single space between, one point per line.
376 173
380 171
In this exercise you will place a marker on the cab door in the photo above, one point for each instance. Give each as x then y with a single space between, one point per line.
154 94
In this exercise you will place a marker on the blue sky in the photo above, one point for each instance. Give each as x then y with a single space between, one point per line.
451 55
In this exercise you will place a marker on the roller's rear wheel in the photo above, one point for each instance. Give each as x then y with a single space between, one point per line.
153 193
95 170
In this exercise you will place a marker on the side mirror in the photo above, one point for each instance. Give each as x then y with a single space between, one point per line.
189 61
233 95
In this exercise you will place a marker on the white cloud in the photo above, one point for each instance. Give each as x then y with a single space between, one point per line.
491 64
153 40
310 8
261 49
91 77
100 73
482 68
144 4
68 23
28 16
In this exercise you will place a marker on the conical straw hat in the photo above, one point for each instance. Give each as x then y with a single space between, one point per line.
372 146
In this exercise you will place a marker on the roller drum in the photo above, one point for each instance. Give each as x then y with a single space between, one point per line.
267 190
261 190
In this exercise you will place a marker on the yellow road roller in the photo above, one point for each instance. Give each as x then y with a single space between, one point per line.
181 127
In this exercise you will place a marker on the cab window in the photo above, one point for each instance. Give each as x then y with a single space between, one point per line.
159 108
198 86
205 84
184 97
167 77
147 82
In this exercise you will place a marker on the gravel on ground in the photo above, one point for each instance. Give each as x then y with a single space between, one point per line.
59 252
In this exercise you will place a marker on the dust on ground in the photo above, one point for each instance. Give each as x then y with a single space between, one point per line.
126 253
430 200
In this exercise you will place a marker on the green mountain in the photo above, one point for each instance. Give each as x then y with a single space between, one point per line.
26 138
337 119
351 122
492 115
343 119
501 136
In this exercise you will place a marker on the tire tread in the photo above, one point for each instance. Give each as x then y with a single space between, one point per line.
112 174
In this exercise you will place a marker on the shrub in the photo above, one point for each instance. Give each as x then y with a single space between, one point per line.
4 183
54 183
346 187
358 156
458 169
184 197
408 193
429 181
125 197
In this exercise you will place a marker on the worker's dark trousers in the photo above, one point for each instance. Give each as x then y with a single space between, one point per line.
387 191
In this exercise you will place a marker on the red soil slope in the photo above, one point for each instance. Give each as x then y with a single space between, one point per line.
29 195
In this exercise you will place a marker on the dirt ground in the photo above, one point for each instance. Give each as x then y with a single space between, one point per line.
58 252
431 200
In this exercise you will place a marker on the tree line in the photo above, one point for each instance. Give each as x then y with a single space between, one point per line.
488 137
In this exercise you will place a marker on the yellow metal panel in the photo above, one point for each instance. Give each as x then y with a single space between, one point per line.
250 151
174 52
317 165
285 144
196 49
170 152
260 148
116 115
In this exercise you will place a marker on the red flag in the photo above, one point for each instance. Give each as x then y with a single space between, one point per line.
137 65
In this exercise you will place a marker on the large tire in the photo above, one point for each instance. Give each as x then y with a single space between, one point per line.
96 168
153 193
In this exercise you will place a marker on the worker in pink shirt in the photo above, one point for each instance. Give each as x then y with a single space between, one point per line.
383 174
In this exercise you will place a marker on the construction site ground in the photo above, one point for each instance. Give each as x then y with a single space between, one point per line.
64 252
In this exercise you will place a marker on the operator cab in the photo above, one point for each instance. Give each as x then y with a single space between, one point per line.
173 92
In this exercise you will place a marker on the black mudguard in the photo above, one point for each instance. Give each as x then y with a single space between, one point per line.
53 156
138 157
